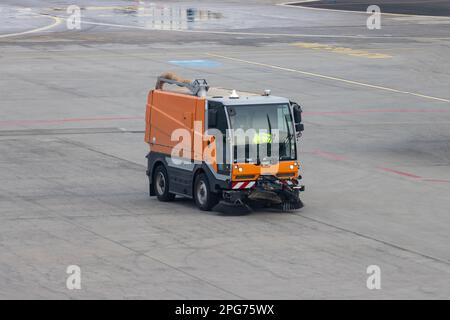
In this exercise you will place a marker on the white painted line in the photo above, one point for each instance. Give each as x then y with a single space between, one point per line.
297 35
331 78
56 22
114 25
291 5
234 32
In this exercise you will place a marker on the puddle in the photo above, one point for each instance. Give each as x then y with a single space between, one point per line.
172 18
14 19
150 15
15 13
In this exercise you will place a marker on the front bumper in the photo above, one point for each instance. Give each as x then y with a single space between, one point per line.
269 191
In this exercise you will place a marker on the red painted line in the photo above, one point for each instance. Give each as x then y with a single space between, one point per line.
401 173
336 157
55 121
344 112
329 155
436 180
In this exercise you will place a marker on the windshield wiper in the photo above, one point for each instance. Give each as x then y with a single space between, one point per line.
270 125
289 135
269 141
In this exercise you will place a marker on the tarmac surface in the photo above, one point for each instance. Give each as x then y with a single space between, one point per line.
375 153
421 7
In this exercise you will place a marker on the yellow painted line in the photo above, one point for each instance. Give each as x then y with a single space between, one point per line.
341 50
56 22
112 8
97 8
362 84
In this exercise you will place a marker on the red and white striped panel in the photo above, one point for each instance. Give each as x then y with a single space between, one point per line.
243 185
289 182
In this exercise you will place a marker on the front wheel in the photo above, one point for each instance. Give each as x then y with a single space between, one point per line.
205 199
161 184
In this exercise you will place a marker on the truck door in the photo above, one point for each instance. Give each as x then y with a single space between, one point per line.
217 119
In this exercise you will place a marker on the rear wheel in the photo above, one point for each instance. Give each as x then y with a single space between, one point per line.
161 184
205 199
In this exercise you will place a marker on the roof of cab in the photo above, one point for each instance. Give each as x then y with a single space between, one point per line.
222 95
249 100
245 98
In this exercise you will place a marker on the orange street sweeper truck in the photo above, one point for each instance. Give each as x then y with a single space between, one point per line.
226 151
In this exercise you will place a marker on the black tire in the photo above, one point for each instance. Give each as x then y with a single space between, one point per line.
161 184
204 198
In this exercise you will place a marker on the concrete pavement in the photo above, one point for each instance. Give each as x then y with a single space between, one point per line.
375 155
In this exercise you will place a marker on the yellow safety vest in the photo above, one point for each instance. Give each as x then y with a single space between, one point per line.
262 138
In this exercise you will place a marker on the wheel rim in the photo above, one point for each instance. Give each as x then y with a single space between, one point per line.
202 193
160 183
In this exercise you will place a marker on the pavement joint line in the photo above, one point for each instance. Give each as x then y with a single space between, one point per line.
68 220
67 120
64 90
398 247
40 83
437 180
72 222
374 111
127 247
251 33
317 75
88 216
83 146
68 131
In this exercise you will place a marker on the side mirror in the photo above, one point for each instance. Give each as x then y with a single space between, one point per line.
297 113
297 110
212 118
299 127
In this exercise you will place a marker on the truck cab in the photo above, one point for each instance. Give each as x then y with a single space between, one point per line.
229 149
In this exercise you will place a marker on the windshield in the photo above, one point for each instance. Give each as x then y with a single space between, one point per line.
266 129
